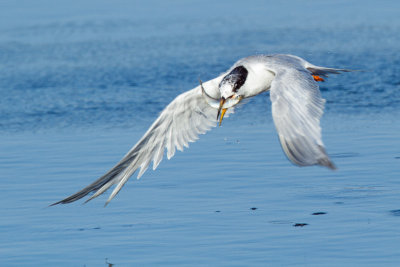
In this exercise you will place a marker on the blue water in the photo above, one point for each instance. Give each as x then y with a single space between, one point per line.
81 82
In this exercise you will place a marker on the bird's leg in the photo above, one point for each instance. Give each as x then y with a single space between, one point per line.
318 78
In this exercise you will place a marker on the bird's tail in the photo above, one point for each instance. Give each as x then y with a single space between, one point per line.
322 71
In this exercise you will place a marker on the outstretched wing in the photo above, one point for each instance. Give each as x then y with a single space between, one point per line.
187 116
297 107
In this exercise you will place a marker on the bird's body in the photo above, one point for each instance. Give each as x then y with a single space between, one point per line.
296 108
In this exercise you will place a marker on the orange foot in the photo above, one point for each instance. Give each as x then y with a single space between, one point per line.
318 78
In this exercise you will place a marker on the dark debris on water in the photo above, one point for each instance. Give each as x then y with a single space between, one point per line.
300 224
395 212
318 213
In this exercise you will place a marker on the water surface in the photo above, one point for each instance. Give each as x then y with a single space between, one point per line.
81 83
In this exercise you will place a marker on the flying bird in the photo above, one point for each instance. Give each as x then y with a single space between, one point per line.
297 107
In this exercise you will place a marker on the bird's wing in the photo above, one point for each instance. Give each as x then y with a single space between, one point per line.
187 116
297 107
315 70
322 71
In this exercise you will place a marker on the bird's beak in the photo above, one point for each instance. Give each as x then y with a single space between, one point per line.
226 103
221 104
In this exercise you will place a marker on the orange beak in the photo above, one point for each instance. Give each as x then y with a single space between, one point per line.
222 115
221 111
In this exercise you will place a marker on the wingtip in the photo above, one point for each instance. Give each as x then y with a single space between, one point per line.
56 203
332 167
63 201
109 200
326 162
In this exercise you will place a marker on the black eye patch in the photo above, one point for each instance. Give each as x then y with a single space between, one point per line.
237 77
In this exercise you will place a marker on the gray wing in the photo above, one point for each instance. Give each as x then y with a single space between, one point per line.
187 116
297 107
316 70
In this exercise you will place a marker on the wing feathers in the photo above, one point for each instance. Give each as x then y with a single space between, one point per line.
321 71
297 107
180 123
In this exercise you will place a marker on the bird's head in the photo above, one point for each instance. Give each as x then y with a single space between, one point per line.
231 91
229 88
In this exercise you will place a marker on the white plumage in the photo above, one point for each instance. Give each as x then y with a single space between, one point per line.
297 107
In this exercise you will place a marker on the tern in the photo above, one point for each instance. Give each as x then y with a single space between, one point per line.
297 107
